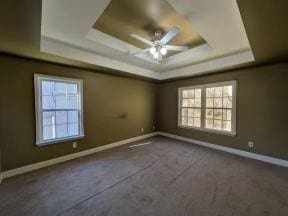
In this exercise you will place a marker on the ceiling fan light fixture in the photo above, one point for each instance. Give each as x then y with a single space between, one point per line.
156 55
163 51
152 50
159 47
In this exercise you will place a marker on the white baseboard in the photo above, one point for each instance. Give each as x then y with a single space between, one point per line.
35 166
31 167
255 156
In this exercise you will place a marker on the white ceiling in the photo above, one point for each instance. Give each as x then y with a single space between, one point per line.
67 31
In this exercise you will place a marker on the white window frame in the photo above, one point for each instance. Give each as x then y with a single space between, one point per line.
38 108
203 107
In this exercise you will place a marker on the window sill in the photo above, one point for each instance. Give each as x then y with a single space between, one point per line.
226 133
55 141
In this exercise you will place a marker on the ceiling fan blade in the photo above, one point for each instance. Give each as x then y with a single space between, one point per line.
177 48
169 35
141 51
144 40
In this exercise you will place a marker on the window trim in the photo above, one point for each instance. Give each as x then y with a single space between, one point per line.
38 102
203 107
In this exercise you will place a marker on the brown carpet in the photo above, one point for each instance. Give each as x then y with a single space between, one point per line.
166 177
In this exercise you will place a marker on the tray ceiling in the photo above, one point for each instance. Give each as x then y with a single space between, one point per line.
97 32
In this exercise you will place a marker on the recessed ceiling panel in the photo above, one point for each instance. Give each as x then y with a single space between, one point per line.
143 17
68 33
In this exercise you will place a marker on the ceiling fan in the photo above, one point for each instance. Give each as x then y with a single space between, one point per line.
158 47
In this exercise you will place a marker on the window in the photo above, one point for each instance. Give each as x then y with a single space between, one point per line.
59 113
219 108
210 107
191 107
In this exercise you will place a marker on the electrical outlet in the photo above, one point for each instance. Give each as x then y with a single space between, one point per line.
142 130
251 144
74 144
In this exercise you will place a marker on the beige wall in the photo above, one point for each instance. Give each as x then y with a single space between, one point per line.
262 109
106 99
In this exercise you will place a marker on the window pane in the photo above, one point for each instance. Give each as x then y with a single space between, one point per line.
190 113
184 112
197 122
209 123
209 92
227 91
72 88
60 101
217 124
184 121
47 88
73 117
209 113
61 130
197 93
185 93
60 88
218 102
227 125
218 92
226 114
184 102
229 114
72 102
48 132
48 118
227 102
191 102
73 129
190 121
191 93
217 113
197 103
209 102
61 117
197 113
48 102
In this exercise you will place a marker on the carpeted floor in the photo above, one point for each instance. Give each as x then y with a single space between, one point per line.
164 177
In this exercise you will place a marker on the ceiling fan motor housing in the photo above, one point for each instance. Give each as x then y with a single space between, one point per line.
157 35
